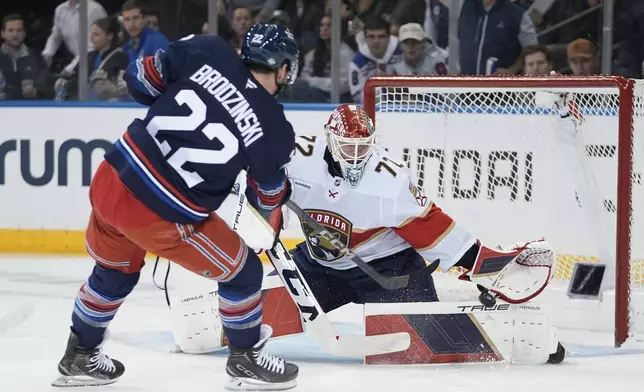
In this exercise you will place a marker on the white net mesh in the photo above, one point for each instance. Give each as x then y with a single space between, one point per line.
514 163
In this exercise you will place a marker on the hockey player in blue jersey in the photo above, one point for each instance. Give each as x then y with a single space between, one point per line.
211 115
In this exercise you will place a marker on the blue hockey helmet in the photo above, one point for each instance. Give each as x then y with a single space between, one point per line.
271 46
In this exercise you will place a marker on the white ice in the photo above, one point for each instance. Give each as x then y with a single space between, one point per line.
141 337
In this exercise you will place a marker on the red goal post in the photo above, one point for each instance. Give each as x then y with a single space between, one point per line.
474 106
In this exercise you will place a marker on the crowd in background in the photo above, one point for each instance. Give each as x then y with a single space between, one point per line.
39 58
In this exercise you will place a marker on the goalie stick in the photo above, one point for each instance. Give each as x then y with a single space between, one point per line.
387 282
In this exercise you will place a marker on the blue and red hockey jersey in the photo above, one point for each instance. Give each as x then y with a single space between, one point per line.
208 119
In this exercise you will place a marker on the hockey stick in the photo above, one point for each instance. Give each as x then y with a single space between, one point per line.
387 282
317 321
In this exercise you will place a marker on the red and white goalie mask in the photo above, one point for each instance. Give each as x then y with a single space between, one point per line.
350 138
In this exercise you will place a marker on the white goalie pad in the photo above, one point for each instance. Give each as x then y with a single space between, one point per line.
459 332
196 324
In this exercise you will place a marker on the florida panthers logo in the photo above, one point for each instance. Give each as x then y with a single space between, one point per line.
339 226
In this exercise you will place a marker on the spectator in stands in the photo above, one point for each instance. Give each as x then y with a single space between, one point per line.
629 33
561 10
375 55
536 60
262 9
584 57
433 15
493 29
66 29
304 15
107 63
224 29
351 24
23 71
407 11
242 22
314 84
151 18
280 17
141 40
420 57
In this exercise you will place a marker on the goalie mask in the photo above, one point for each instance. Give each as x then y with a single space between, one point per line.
350 139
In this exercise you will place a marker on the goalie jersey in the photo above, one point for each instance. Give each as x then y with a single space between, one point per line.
385 214
208 120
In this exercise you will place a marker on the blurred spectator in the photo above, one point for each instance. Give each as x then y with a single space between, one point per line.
536 60
151 18
433 15
420 57
366 9
583 57
629 29
375 55
23 71
280 17
560 10
436 24
66 29
224 29
350 23
242 22
262 9
304 15
107 62
407 11
142 41
314 84
493 29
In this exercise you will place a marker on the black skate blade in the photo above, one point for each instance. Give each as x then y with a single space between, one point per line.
80 381
248 384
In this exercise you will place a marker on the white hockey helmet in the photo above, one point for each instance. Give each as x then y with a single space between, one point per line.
350 139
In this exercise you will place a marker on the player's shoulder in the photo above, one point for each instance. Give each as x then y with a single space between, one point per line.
385 175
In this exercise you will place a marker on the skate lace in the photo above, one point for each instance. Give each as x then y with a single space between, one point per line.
100 361
270 362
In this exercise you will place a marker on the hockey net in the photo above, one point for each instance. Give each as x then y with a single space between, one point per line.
523 158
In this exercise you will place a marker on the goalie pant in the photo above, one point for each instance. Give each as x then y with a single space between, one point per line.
120 231
353 286
335 288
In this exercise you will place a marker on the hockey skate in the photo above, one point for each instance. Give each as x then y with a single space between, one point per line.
255 370
82 367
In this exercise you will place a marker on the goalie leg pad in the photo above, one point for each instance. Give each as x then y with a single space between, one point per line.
197 326
464 332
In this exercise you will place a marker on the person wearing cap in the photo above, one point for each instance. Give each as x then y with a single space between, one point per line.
583 57
420 56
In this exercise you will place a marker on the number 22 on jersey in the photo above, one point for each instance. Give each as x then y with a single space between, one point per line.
191 123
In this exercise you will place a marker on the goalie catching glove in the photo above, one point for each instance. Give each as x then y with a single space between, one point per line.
516 274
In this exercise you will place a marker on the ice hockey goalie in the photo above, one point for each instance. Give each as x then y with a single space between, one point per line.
351 186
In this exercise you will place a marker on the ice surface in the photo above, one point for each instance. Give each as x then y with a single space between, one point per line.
142 339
